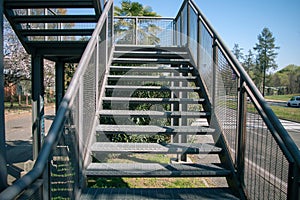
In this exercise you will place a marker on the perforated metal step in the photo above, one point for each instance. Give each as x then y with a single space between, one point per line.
135 129
151 61
154 148
155 170
151 100
150 69
150 88
150 78
150 54
152 114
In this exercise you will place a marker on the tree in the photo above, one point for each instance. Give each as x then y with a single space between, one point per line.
288 78
125 28
249 62
129 8
237 51
266 55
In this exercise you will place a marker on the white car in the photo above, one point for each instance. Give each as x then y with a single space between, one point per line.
294 101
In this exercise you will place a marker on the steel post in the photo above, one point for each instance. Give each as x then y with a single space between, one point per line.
3 161
59 82
241 133
38 121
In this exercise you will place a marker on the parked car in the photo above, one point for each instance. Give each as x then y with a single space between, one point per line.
294 101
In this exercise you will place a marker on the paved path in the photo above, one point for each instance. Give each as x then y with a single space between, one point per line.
19 140
293 129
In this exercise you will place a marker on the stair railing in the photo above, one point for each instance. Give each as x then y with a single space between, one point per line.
57 172
265 158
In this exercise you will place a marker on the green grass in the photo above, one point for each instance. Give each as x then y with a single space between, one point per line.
292 114
281 97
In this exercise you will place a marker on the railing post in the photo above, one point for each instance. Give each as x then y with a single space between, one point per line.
215 66
188 21
293 182
136 31
241 132
199 28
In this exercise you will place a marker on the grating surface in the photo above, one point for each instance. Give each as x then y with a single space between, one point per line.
151 194
154 170
173 148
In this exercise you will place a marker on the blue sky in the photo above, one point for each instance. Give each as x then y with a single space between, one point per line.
241 21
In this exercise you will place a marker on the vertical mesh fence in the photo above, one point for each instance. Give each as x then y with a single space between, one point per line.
124 30
193 26
266 168
226 101
155 32
205 59
144 31
64 169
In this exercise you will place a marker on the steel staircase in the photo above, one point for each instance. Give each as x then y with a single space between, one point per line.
138 69
183 98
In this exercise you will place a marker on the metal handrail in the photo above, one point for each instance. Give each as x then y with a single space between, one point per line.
289 144
55 130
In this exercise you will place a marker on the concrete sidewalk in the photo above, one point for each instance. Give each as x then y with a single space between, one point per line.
19 140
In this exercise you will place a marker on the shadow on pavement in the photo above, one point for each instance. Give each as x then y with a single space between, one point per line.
19 157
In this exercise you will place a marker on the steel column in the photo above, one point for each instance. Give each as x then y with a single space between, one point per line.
215 66
38 121
3 161
59 82
241 133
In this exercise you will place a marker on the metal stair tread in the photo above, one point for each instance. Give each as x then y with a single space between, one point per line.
154 148
152 113
151 100
150 69
223 193
137 88
50 4
175 48
155 170
152 129
150 54
145 78
152 60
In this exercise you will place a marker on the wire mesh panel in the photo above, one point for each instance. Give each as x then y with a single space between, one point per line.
143 31
124 30
226 101
193 34
266 168
205 59
64 169
155 32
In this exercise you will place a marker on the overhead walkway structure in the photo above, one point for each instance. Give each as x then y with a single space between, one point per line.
147 87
